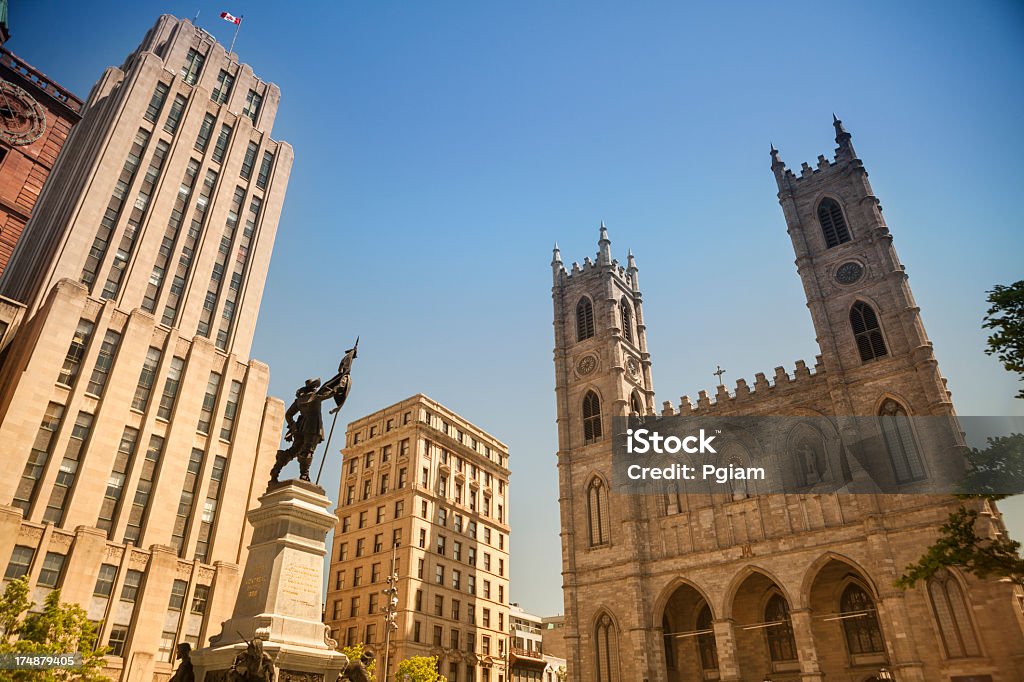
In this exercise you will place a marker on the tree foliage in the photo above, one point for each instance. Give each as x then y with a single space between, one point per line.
1006 317
997 469
355 652
60 628
993 472
960 544
419 669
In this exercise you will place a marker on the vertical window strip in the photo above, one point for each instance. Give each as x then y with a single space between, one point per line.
146 378
174 115
227 428
192 67
118 475
188 248
242 251
76 351
253 102
225 81
101 242
205 130
210 509
249 161
171 236
68 469
156 102
217 275
187 500
265 166
38 457
222 143
171 386
209 403
138 213
101 370
140 505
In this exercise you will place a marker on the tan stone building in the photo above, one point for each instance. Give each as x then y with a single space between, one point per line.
675 587
136 429
423 485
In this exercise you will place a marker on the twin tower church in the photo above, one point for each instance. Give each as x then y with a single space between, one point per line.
681 587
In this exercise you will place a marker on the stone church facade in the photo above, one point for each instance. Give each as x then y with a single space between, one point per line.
731 586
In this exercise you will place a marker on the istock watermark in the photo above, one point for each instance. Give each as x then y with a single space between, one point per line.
815 454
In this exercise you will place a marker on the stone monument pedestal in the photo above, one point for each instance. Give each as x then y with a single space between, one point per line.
280 596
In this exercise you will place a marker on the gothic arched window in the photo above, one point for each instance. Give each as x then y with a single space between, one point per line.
627 321
584 319
607 650
833 225
867 332
899 441
781 644
952 615
860 621
597 512
591 417
706 646
635 405
738 489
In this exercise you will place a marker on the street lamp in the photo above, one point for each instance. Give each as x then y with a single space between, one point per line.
390 611
767 679
884 675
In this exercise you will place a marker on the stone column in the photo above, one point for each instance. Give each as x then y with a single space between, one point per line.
810 669
725 644
899 643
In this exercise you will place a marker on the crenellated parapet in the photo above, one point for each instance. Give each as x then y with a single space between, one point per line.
763 395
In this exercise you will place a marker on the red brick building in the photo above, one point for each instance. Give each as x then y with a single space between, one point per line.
36 116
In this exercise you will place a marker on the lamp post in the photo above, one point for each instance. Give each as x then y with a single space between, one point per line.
885 675
390 611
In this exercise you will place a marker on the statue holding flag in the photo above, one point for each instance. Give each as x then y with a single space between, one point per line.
305 424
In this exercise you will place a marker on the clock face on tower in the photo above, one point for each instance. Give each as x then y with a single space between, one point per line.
849 272
22 119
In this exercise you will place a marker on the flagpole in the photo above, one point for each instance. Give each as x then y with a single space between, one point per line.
234 37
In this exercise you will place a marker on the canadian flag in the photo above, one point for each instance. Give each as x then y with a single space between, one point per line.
227 16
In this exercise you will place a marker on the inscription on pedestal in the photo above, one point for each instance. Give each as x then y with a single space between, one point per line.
301 583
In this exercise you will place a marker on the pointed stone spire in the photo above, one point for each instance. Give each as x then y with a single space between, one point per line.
843 139
778 167
557 269
604 246
633 271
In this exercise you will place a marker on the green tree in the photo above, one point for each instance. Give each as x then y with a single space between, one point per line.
1006 316
419 669
59 628
993 472
959 544
355 652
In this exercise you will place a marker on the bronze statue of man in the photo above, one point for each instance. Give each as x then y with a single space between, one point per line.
185 672
305 424
252 664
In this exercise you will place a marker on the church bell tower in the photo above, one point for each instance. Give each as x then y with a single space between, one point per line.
866 321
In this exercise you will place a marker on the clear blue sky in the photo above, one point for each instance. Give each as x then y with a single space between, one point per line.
442 147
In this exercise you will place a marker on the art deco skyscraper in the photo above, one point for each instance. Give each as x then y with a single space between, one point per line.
135 429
